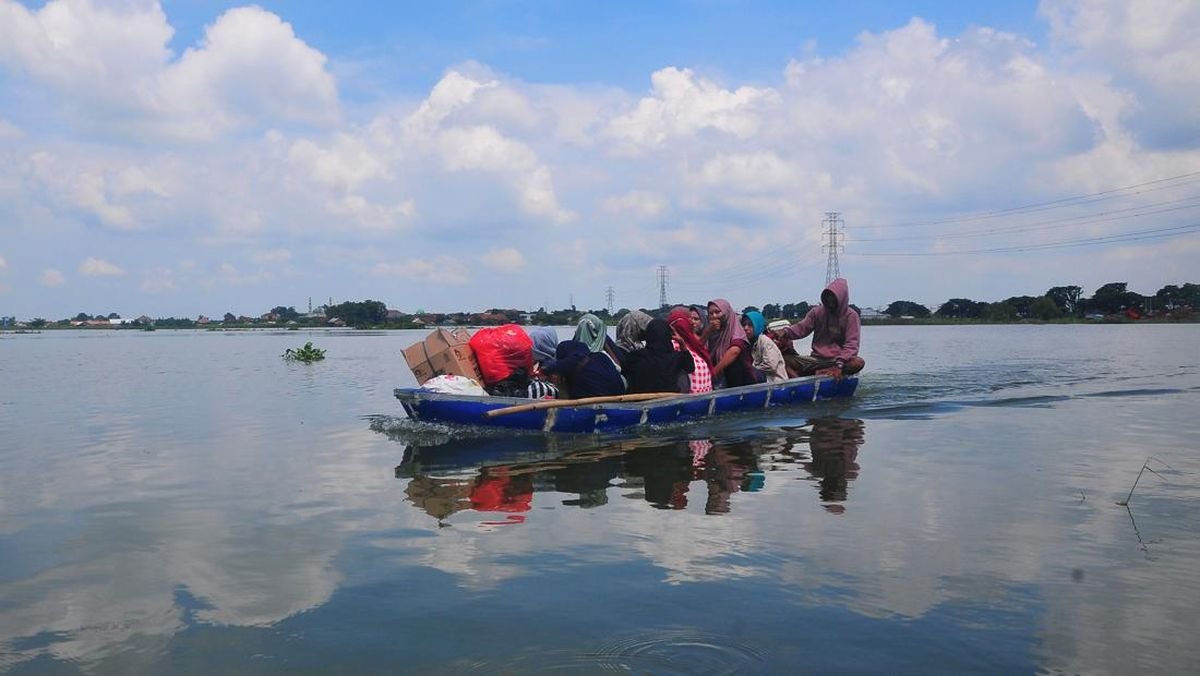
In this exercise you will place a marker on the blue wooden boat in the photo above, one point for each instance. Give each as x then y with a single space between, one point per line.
457 409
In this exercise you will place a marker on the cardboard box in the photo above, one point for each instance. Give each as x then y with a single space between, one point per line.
443 351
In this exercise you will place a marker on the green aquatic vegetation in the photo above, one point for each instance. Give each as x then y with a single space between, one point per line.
307 354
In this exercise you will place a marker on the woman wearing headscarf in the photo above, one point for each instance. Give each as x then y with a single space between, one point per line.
765 358
545 342
726 343
658 367
630 329
592 332
583 372
680 322
698 314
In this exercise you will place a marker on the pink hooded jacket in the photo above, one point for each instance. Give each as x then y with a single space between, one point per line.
835 335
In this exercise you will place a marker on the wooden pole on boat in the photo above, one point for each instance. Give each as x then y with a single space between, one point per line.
571 403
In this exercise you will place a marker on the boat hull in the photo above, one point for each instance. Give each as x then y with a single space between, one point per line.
468 410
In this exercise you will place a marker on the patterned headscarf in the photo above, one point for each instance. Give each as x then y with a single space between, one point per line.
591 332
630 329
731 330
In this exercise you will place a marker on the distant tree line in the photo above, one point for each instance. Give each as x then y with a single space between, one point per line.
1113 298
1057 302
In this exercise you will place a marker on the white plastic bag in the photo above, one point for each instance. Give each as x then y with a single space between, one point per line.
452 384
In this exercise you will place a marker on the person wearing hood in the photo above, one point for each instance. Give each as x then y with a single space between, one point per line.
765 357
658 367
726 343
835 329
583 372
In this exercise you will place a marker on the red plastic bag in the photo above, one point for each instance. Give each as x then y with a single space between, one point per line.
501 350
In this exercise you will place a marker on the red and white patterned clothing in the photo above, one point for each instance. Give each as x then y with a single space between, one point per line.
702 376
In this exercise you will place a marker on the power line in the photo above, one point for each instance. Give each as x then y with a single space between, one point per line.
1090 198
1052 224
1155 233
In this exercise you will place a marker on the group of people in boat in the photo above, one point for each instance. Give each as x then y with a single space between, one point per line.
694 349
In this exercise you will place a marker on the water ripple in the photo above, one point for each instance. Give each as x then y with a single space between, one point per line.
670 652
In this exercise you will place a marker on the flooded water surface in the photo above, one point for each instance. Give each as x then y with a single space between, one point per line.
188 502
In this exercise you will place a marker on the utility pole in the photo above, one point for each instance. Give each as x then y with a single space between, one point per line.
663 274
609 296
834 232
572 297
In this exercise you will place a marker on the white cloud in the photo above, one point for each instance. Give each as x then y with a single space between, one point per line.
98 267
346 164
1147 47
440 270
504 260
271 257
52 277
3 264
90 194
159 280
682 104
109 64
484 148
638 204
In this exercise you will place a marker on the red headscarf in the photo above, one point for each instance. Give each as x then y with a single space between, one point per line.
680 319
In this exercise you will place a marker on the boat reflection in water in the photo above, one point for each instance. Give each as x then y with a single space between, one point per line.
499 476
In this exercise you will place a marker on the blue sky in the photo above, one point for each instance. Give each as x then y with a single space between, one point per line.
199 157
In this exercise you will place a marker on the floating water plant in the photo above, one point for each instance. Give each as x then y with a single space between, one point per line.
307 354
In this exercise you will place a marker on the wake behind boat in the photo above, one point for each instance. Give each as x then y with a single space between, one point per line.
584 417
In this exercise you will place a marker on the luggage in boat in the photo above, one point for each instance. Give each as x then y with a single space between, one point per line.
452 384
501 352
443 352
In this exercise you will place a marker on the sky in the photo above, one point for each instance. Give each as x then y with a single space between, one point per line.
201 157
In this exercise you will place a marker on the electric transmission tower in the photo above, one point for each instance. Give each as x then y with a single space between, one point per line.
663 274
834 232
608 295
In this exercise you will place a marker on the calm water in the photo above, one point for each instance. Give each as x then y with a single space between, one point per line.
186 502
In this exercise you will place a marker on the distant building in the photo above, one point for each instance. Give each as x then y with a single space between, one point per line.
871 313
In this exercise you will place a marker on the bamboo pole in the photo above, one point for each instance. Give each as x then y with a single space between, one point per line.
572 403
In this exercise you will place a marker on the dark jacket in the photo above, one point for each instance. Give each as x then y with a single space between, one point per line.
658 367
585 373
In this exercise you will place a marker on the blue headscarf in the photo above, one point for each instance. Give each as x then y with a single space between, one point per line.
757 321
545 340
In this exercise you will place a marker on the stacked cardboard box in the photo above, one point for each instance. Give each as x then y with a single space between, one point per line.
443 351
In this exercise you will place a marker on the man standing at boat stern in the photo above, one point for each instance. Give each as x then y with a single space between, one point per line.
835 329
